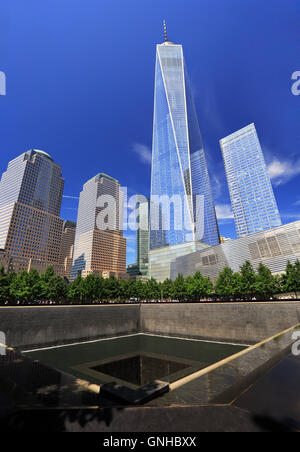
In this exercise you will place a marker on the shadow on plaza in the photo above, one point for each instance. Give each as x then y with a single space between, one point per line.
142 420
274 426
59 420
34 396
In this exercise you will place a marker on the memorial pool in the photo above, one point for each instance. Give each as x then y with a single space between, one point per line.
136 360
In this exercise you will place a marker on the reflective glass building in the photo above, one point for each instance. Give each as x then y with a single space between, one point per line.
178 159
143 235
31 192
141 267
253 202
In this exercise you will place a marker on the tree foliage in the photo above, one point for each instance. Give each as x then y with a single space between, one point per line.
228 284
291 278
247 284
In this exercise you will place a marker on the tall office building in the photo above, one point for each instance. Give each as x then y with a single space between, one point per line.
143 235
179 168
252 198
100 247
178 159
67 247
141 267
30 200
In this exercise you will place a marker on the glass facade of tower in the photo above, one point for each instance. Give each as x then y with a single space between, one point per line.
253 202
179 166
31 192
143 237
35 180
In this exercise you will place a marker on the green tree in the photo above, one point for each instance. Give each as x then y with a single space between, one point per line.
24 287
99 288
89 288
152 290
247 281
237 286
198 287
59 289
291 278
278 282
52 287
34 281
227 283
179 288
111 288
166 288
127 289
265 286
297 272
75 289
5 282
139 290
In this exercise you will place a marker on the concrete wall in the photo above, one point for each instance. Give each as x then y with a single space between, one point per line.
34 327
248 323
245 323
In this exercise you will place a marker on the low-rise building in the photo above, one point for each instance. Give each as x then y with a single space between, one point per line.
160 260
273 247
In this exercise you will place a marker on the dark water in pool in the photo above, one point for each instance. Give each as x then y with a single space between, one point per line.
135 360
141 369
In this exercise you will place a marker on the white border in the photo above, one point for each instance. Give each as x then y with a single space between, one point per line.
132 335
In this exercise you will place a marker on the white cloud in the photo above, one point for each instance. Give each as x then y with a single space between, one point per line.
211 110
224 212
143 152
130 238
290 216
69 208
216 187
70 197
283 171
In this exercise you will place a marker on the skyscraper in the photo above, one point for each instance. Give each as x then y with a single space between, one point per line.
67 246
30 200
179 169
252 198
141 267
178 160
143 235
100 247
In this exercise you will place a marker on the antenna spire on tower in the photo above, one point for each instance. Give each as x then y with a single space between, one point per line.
165 31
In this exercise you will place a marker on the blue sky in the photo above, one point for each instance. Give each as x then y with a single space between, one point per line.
80 85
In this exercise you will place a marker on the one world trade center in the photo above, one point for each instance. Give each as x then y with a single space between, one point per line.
179 165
